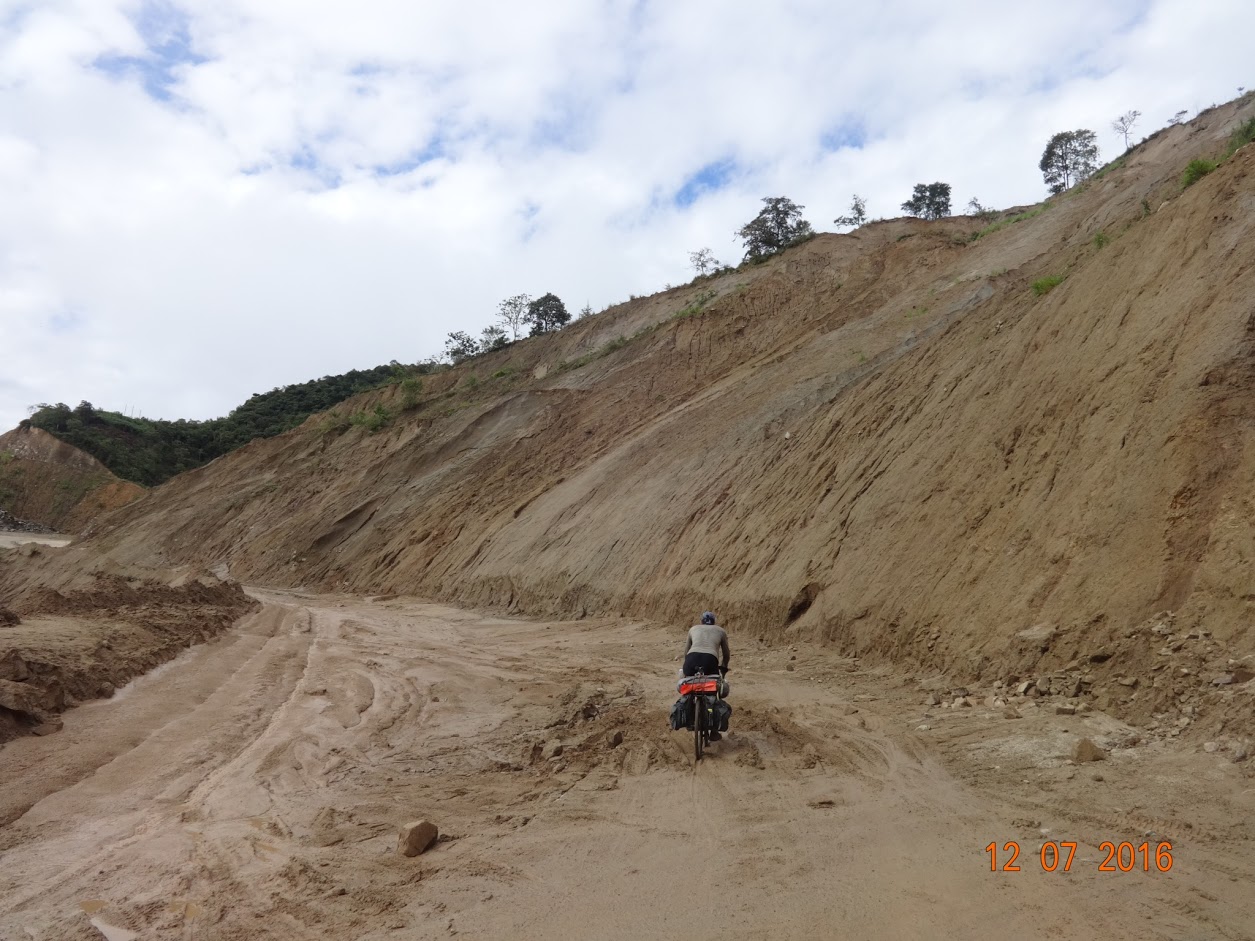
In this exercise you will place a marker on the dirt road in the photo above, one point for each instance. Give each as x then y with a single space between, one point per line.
253 789
10 539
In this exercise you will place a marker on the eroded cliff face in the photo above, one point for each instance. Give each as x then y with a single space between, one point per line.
45 481
885 440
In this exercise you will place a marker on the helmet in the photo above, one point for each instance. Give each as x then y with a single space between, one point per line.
708 617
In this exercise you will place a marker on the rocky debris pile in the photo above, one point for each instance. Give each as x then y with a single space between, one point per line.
12 524
8 618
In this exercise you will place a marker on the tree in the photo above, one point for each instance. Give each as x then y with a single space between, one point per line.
547 313
983 213
1177 118
704 262
775 228
1070 157
512 313
460 346
585 311
929 201
1124 124
858 213
492 338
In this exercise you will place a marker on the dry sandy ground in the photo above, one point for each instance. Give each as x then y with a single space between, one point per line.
253 789
9 539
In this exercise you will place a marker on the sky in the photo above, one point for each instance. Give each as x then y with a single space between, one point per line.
204 200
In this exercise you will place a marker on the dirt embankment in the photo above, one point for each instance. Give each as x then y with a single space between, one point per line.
59 648
888 441
55 485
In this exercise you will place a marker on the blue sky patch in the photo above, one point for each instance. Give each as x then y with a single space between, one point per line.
709 179
166 32
849 133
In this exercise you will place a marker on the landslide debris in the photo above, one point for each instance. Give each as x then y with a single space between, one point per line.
886 441
74 645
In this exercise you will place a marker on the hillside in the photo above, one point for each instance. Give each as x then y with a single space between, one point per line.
51 483
150 452
885 441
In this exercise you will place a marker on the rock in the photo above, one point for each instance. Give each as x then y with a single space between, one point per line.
1099 656
8 618
1065 710
19 697
959 691
615 738
849 711
551 750
789 667
1211 747
1096 776
1086 750
1129 681
50 727
105 690
932 700
922 728
416 837
1241 675
1223 680
793 656
1082 708
1043 684
1241 753
1023 688
1011 713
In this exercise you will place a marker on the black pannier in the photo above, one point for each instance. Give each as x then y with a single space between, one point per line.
682 713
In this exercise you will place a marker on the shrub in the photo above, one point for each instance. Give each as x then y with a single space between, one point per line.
1242 135
1101 239
374 420
1195 170
411 389
1045 285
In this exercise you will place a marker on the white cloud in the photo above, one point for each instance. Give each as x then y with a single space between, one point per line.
205 200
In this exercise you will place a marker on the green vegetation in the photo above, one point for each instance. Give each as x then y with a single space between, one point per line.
1070 156
1195 170
376 419
1101 239
411 390
1242 135
778 226
698 303
151 451
929 201
1045 285
1012 220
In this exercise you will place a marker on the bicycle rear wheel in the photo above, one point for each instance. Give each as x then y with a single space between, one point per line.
699 725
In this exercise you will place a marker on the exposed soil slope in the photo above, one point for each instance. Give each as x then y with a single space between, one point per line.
254 789
884 440
46 481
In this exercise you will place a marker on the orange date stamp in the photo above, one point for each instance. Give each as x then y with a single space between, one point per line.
1059 856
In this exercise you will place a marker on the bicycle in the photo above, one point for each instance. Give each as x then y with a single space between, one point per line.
704 691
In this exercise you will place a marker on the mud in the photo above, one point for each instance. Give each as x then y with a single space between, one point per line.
254 788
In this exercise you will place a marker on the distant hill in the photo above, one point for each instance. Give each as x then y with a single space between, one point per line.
51 483
150 452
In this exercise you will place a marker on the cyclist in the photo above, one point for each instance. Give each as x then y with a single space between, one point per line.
705 643
703 646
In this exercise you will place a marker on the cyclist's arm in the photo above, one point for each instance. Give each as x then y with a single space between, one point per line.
725 649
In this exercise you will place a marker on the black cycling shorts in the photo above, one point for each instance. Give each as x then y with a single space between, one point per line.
706 663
